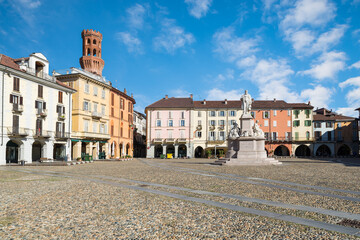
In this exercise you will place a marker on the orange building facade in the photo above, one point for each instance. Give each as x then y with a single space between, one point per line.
274 118
121 124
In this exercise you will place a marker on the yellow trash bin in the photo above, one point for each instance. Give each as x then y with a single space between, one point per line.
169 155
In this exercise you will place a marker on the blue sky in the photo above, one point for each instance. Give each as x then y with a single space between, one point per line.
299 51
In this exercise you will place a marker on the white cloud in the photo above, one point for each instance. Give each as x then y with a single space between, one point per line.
309 12
330 38
198 8
327 66
172 37
301 39
246 62
29 3
348 111
180 93
228 75
135 16
355 65
133 44
26 8
319 96
217 94
353 96
231 47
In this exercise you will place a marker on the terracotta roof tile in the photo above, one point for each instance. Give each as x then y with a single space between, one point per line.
270 104
64 85
217 104
8 61
173 103
332 117
123 94
300 106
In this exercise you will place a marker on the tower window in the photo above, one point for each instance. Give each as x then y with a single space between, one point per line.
94 52
94 42
88 41
88 52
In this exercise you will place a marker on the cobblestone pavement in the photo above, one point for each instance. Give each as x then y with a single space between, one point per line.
180 199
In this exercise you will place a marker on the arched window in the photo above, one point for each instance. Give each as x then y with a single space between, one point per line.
94 41
94 52
88 41
88 52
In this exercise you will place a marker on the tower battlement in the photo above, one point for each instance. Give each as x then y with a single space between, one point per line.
91 59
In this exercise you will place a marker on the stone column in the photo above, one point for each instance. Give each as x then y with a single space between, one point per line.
150 151
164 149
48 150
68 150
77 151
176 151
25 151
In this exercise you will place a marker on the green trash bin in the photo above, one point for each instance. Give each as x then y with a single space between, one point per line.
162 156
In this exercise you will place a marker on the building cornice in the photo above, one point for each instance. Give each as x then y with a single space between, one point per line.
76 76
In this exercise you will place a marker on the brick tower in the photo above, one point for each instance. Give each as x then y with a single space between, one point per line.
91 60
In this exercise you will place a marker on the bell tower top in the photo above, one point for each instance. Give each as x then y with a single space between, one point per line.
91 58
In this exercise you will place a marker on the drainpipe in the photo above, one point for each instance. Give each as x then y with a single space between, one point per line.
69 127
2 107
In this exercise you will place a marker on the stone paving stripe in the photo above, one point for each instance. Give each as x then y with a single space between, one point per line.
270 185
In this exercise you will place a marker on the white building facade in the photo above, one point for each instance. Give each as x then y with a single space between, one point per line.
36 112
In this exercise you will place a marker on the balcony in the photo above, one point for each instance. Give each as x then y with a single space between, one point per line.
199 127
61 116
17 132
62 135
213 140
221 127
90 135
181 140
96 115
40 112
39 133
17 108
278 139
170 140
40 74
212 127
157 140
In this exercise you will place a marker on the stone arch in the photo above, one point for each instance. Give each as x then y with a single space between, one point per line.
267 152
282 151
344 150
88 52
94 52
113 149
13 151
127 149
170 149
302 151
88 41
158 151
94 41
199 152
182 151
323 151
121 149
39 68
36 151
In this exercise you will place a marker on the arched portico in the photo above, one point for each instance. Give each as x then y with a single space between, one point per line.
199 152
302 151
13 151
344 150
323 151
182 150
282 151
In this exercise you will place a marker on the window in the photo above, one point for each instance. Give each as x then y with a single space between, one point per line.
60 109
212 123
232 122
38 127
274 123
112 112
329 124
182 123
266 135
274 136
112 99
296 113
221 123
199 122
87 88
296 135
40 91
307 123
60 97
158 115
232 113
86 125
86 106
121 132
329 136
212 113
16 84
212 136
94 127
182 133
157 133
170 134
307 113
103 94
222 113
170 123
102 128
158 123
222 136
289 112
318 135
266 123
199 134
289 123
339 136
183 115
16 99
307 135
296 123
338 125
122 104
170 115
40 105
95 91
15 124
102 109
266 114
317 124
253 114
288 136
274 111
122 115
95 107
199 114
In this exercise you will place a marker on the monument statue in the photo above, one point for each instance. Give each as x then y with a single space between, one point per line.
246 102
257 131
234 132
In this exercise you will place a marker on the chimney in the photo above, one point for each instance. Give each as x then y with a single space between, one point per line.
274 99
191 96
225 101
166 96
125 90
204 102
309 103
324 111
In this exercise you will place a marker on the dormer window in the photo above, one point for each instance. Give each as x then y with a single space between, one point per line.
39 69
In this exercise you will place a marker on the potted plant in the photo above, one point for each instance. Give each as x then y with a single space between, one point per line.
208 153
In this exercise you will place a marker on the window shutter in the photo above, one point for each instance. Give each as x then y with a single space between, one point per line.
57 109
36 104
18 84
14 84
89 107
63 110
44 105
84 106
21 100
11 98
263 114
63 127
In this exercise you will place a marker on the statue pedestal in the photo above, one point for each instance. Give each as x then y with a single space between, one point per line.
247 149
